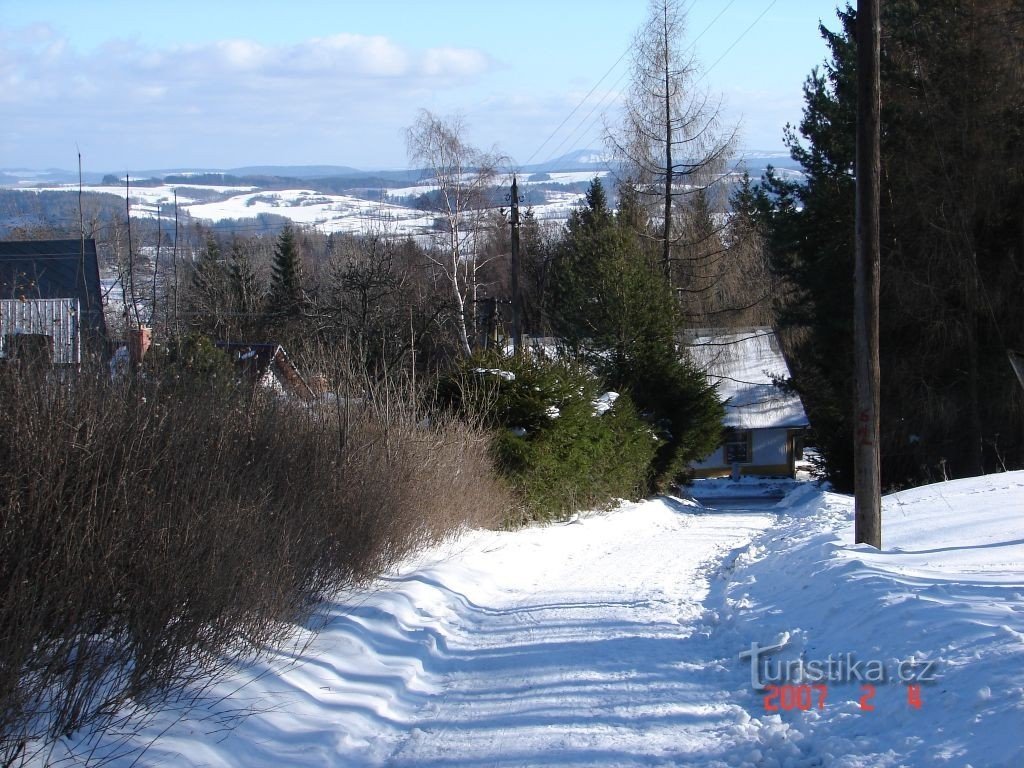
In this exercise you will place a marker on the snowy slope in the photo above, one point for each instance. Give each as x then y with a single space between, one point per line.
330 213
614 640
947 588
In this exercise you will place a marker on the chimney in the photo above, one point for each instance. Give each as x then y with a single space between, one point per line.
139 341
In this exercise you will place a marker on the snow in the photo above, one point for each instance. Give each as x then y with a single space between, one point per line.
604 402
948 586
744 487
615 640
743 364
504 375
152 195
560 177
331 213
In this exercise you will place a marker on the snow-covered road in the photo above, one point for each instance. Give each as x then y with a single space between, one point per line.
581 643
595 652
615 640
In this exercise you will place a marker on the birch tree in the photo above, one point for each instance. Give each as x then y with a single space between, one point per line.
463 175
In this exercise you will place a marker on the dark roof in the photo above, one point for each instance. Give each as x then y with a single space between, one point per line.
54 269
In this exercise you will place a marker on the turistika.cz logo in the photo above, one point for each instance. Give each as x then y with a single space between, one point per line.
803 683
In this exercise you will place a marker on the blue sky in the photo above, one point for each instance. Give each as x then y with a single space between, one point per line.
222 84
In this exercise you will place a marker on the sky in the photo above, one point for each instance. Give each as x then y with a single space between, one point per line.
222 84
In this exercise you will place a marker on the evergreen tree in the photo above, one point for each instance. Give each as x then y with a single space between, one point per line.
208 299
246 290
612 305
287 299
952 297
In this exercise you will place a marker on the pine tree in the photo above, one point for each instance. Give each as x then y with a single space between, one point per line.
287 300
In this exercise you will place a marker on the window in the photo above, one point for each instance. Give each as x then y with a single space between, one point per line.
737 446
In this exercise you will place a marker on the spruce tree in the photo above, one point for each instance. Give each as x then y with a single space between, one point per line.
208 300
287 299
952 292
246 290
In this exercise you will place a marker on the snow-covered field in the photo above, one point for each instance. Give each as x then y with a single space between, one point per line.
615 640
330 213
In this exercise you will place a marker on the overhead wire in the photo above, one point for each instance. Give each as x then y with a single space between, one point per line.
580 104
611 92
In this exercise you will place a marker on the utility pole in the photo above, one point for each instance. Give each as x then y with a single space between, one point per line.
174 266
517 330
866 461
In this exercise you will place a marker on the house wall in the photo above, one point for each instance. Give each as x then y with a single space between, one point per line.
770 450
55 318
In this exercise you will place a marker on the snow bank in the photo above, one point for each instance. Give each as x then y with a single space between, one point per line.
946 591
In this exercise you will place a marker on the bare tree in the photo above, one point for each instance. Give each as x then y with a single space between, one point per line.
671 139
463 175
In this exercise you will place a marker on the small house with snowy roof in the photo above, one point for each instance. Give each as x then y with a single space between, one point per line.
764 423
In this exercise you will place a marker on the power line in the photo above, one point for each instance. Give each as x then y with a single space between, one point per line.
580 103
611 93
576 108
742 35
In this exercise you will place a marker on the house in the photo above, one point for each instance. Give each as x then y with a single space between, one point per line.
51 304
764 423
268 365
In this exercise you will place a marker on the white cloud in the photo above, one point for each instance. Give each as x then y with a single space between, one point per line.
240 55
227 95
458 62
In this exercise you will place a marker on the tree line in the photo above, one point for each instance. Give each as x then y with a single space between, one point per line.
952 241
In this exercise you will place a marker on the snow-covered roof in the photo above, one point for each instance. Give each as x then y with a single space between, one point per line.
743 362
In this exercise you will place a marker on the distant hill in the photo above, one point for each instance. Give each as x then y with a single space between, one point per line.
577 160
46 176
344 176
297 171
754 161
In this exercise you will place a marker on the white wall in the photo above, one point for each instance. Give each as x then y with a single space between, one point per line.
769 448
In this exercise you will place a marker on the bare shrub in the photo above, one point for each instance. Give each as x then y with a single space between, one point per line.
153 535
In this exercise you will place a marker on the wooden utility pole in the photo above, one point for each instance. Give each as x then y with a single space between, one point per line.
866 462
517 330
174 266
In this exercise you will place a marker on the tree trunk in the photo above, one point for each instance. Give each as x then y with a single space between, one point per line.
666 256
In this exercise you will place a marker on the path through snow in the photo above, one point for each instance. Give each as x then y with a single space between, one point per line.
595 652
581 643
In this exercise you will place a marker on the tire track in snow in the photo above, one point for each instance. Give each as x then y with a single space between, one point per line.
592 649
